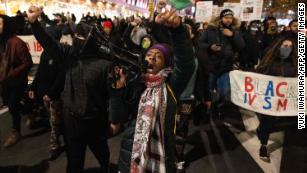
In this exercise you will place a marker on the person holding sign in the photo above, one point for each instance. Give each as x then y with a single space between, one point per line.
279 60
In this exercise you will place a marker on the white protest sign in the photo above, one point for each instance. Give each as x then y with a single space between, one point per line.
216 10
269 95
251 10
203 11
34 47
235 7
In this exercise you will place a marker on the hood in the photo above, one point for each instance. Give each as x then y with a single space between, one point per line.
9 28
215 21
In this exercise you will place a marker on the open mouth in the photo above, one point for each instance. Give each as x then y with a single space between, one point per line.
150 66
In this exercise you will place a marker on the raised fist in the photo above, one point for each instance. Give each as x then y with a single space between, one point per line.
169 19
33 13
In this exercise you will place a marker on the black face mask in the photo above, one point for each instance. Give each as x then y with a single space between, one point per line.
78 45
56 21
226 26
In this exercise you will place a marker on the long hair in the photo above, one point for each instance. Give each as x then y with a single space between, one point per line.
273 55
9 28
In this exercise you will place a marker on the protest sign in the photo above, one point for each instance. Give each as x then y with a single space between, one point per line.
235 7
269 95
34 47
251 10
204 11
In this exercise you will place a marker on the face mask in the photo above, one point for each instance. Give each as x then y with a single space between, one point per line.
77 44
146 43
56 21
255 29
226 26
285 52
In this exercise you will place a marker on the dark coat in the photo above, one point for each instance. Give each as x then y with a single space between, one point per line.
183 70
49 78
85 91
16 63
252 51
222 61
284 68
268 39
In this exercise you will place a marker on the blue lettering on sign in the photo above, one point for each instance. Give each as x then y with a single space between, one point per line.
270 89
269 106
245 98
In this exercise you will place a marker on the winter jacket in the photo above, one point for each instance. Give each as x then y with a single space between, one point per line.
221 62
16 62
49 78
268 39
182 72
85 90
252 51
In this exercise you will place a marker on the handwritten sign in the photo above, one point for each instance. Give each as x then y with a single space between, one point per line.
203 11
251 10
34 47
269 95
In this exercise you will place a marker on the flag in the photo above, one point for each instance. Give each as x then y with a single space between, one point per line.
180 4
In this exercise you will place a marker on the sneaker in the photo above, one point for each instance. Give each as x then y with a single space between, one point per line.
12 139
180 167
263 153
54 153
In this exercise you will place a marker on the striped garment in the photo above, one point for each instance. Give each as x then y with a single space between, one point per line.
148 155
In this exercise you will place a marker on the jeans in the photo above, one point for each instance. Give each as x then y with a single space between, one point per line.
12 97
265 128
219 88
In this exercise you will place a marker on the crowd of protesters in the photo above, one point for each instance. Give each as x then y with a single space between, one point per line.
89 99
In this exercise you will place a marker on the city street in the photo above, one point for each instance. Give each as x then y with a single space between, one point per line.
224 146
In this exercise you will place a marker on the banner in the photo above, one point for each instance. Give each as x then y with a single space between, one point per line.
216 10
34 47
204 11
251 10
235 7
269 95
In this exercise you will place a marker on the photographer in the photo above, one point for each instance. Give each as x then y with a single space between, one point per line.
150 103
85 94
221 41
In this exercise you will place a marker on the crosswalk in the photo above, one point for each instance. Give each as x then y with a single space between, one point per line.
250 142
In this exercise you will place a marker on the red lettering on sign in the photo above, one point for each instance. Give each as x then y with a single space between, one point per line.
251 99
277 89
249 87
37 47
281 104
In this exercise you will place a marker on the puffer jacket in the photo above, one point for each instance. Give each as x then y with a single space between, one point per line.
221 62
182 72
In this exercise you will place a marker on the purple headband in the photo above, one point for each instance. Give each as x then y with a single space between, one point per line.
165 50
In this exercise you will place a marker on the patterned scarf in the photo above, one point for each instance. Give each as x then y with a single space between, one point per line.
148 153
